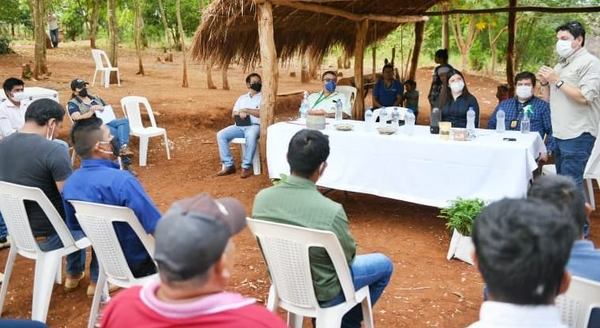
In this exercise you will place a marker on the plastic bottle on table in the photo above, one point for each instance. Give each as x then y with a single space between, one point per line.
436 116
471 123
500 121
396 117
525 122
409 122
339 115
383 117
369 119
304 106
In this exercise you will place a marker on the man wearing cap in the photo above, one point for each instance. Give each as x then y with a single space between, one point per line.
83 105
297 201
194 253
99 180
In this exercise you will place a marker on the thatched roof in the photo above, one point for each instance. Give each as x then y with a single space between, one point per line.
229 31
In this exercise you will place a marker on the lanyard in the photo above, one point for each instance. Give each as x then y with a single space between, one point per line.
321 98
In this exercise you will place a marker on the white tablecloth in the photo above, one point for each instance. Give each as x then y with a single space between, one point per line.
32 93
420 168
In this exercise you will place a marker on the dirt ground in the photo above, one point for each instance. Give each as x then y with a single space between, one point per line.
426 290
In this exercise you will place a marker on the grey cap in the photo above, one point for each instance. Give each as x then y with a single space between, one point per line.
194 232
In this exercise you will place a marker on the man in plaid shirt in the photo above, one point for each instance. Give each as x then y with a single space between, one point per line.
513 109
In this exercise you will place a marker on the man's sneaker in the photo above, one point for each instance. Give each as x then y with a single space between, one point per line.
72 282
4 243
91 289
125 151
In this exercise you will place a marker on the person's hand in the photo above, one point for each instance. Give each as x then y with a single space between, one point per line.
543 157
97 108
243 114
548 75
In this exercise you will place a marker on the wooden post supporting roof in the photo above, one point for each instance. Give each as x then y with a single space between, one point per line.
510 51
445 28
270 72
359 53
419 30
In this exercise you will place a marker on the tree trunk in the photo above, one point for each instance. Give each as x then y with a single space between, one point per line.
304 76
224 75
184 82
419 30
270 75
113 37
209 80
359 53
94 23
139 25
464 43
39 21
510 49
163 19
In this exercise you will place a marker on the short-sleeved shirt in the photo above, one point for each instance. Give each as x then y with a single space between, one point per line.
569 118
327 103
77 105
12 117
250 102
412 100
387 96
455 111
31 160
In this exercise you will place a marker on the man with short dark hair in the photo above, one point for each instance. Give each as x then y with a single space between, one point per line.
29 157
12 113
296 201
521 249
388 91
562 192
573 90
99 180
514 109
194 252
326 100
246 113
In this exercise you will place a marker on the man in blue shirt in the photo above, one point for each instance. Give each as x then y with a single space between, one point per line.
513 109
387 91
99 180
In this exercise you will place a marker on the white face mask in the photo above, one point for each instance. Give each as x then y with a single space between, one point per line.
457 86
563 48
524 91
17 96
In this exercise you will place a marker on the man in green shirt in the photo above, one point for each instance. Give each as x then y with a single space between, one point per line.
297 201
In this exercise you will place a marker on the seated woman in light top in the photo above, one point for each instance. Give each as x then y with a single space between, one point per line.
326 100
458 102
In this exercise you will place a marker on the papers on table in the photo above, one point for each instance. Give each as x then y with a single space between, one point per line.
107 115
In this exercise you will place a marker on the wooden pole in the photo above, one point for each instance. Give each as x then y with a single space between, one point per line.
359 53
184 78
510 52
419 30
445 28
270 73
374 58
590 9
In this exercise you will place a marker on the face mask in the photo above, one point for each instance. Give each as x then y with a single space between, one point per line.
256 86
83 92
330 86
524 91
16 96
563 48
114 145
457 86
50 133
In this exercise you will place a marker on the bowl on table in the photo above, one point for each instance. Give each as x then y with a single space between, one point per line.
344 127
387 129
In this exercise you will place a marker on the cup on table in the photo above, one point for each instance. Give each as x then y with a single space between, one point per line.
458 134
445 130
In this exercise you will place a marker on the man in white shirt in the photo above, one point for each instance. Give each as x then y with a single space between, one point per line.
521 249
246 113
326 99
12 113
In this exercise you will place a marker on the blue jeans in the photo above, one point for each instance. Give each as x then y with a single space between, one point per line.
4 323
75 260
231 132
3 231
54 38
119 128
373 270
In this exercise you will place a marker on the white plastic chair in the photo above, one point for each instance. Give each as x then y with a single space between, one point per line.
285 249
255 159
100 58
350 93
97 221
131 106
47 264
576 304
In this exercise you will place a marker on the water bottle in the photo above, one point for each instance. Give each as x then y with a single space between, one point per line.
500 121
525 122
436 116
409 122
304 106
338 110
383 117
471 123
396 117
369 119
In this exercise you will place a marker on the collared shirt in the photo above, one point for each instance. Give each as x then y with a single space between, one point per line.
12 117
251 102
101 181
569 118
327 103
513 110
506 315
455 111
585 260
387 96
296 201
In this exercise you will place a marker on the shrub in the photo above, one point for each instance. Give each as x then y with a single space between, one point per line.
5 45
461 214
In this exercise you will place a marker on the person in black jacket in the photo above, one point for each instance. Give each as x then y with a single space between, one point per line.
458 102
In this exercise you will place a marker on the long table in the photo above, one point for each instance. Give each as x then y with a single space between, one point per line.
418 168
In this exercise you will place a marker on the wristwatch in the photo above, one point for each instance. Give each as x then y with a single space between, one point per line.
559 84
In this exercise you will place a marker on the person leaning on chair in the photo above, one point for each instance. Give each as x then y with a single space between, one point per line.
326 100
296 201
246 113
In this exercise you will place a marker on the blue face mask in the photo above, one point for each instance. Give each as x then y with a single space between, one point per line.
330 86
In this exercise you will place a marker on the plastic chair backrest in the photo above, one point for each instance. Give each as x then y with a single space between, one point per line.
100 58
131 107
12 206
350 93
401 110
575 304
97 221
592 167
285 249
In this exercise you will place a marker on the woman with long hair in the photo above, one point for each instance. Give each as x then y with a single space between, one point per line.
459 101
